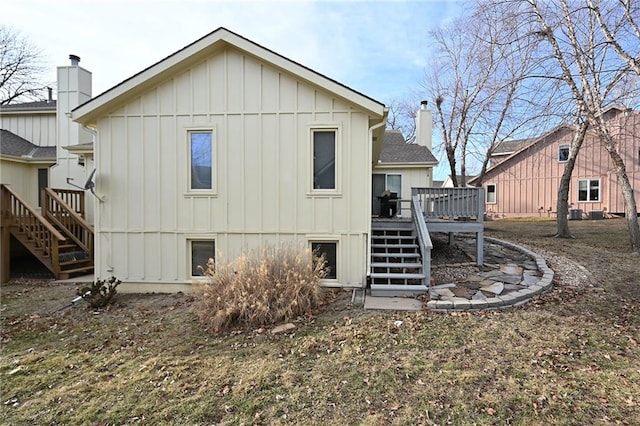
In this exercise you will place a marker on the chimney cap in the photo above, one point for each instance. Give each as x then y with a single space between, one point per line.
75 59
423 104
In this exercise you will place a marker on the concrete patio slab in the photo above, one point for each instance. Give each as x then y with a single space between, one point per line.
80 279
392 304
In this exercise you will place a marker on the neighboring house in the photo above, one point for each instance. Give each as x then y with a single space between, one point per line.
41 150
402 166
524 177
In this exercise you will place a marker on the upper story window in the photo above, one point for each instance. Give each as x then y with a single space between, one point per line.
324 159
563 153
201 159
491 193
589 190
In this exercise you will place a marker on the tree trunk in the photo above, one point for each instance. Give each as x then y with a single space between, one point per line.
562 204
630 209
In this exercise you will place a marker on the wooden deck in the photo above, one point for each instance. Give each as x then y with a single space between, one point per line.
443 210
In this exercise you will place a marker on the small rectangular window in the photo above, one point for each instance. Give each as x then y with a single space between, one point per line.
589 190
43 182
201 252
324 159
329 250
491 193
563 153
201 160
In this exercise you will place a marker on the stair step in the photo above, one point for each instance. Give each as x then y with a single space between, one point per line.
385 275
398 289
395 265
77 271
83 262
399 255
394 246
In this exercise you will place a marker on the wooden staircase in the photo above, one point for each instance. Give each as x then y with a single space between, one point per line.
396 261
59 237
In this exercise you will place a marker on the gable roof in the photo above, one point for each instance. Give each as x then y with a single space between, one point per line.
522 148
396 150
205 46
15 146
509 147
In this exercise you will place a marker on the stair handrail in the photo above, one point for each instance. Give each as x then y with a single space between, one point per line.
424 239
44 235
70 222
73 198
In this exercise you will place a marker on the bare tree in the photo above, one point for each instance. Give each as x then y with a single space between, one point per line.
402 113
479 83
21 68
592 76
620 25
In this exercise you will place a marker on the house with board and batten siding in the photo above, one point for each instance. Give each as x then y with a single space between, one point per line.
225 146
524 175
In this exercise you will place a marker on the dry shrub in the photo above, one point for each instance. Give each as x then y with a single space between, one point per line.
265 286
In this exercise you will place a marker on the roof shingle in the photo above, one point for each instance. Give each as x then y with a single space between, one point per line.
15 146
396 150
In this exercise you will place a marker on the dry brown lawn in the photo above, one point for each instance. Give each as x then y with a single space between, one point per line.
569 357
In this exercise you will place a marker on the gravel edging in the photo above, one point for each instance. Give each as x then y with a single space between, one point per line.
503 302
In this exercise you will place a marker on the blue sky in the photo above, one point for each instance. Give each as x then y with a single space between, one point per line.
378 48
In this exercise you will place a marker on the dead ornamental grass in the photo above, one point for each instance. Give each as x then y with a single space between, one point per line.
263 287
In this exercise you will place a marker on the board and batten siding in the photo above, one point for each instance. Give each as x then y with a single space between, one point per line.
527 183
261 118
37 128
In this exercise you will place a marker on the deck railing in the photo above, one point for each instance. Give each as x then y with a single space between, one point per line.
17 212
451 203
72 198
58 212
424 240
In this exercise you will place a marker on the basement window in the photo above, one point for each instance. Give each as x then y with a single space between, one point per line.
329 249
201 252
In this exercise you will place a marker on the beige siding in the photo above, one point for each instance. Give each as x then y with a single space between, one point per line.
262 119
23 178
527 184
39 129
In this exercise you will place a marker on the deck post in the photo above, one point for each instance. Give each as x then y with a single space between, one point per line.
5 260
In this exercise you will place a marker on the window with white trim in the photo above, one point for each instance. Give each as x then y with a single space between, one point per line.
563 153
589 190
330 251
491 193
324 159
201 160
201 252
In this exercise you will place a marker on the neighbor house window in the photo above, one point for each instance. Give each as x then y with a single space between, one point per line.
589 190
201 252
563 153
201 160
329 250
324 159
491 193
